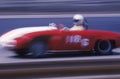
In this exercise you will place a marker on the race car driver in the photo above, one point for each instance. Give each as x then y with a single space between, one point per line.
79 22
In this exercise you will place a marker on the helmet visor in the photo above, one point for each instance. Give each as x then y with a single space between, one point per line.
76 20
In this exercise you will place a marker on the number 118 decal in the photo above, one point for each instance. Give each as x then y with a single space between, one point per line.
77 39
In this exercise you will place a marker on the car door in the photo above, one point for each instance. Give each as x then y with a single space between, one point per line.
76 40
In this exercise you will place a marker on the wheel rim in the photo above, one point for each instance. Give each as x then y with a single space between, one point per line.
38 49
104 47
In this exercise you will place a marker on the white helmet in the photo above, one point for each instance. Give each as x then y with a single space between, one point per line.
78 19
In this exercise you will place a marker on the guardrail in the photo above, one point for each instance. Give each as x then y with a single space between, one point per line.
67 67
36 6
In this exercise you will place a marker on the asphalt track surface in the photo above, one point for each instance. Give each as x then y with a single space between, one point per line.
10 57
111 23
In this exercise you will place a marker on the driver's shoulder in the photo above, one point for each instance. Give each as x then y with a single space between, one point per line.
77 28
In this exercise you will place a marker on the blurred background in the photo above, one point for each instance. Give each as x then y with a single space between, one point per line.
43 6
59 7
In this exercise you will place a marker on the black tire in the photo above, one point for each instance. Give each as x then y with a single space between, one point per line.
38 49
21 52
103 47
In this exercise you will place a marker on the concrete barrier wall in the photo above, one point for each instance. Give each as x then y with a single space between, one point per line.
60 6
110 23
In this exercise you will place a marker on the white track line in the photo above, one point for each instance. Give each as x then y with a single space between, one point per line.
117 76
57 15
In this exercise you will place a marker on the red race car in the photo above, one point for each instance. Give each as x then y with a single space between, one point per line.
38 41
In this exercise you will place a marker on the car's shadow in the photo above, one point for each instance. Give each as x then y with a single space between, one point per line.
62 55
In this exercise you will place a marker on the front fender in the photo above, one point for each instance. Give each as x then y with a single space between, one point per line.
22 42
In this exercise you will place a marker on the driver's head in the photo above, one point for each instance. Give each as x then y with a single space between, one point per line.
78 19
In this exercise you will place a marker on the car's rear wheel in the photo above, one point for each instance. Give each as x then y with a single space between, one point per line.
38 49
104 47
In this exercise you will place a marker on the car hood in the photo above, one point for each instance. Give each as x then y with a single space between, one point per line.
21 31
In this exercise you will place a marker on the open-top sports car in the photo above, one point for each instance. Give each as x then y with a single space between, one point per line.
38 41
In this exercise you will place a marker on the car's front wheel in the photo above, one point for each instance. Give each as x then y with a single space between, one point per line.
38 49
104 47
